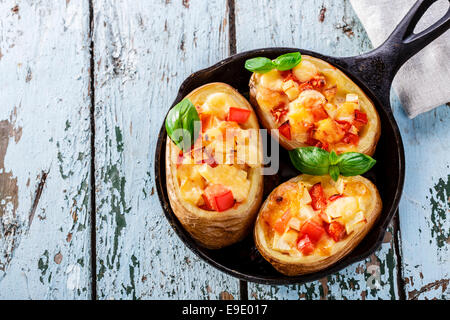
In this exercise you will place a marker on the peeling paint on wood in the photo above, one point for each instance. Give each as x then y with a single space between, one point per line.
141 59
425 205
44 165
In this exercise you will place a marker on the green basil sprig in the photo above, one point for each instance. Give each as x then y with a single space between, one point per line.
316 161
284 62
259 64
183 124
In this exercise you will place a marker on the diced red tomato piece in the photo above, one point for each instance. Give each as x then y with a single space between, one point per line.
311 141
287 75
323 145
351 138
281 224
336 231
305 86
319 201
345 125
334 197
318 82
358 125
313 229
304 245
225 201
360 119
206 120
239 115
319 113
361 116
285 130
218 198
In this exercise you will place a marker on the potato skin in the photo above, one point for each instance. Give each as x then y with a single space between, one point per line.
294 266
370 136
211 229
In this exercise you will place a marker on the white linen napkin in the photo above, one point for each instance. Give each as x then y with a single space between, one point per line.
423 82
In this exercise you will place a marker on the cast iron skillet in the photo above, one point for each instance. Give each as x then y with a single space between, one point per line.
373 72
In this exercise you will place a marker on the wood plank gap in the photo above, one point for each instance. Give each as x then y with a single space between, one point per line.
231 27
400 280
92 180
243 290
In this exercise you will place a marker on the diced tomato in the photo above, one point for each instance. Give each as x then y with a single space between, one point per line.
305 246
287 75
334 197
319 201
351 138
323 145
361 116
225 201
281 224
180 158
319 113
358 125
318 82
304 86
345 125
279 111
336 231
206 120
285 130
238 115
360 119
218 198
311 141
313 229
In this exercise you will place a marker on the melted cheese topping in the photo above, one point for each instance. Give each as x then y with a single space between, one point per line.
291 205
318 105
222 155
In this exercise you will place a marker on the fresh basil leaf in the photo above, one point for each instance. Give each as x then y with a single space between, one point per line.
354 163
183 124
259 65
333 158
334 172
310 160
287 61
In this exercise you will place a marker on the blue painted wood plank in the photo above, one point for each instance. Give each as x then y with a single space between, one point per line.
44 150
425 228
142 54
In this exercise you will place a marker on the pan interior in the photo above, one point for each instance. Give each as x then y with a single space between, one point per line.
243 259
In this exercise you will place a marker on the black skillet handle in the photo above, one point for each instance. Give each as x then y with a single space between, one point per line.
378 67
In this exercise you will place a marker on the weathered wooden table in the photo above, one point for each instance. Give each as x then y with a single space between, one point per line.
84 87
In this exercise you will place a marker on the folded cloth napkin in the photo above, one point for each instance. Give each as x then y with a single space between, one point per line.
423 82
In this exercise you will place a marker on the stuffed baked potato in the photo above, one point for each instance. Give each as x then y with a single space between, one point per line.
310 222
315 104
215 189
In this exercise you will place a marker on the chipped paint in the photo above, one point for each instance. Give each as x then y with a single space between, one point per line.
73 273
43 265
440 208
442 284
10 225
